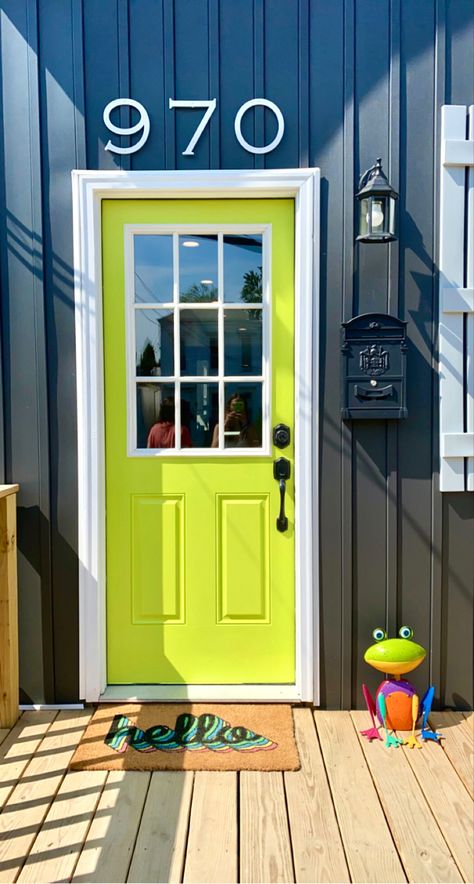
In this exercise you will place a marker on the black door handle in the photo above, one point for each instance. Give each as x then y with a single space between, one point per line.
282 472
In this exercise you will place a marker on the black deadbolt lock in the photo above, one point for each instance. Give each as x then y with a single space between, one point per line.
281 436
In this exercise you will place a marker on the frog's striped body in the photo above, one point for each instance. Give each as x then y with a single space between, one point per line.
398 701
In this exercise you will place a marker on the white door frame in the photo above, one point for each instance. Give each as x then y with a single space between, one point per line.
89 189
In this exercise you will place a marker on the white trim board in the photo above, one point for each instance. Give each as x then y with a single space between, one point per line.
89 189
198 693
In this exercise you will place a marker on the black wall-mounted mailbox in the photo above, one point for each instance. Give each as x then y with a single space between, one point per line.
374 352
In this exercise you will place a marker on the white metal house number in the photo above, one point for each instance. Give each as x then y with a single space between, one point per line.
143 124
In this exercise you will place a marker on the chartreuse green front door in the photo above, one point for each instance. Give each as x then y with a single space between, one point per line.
198 318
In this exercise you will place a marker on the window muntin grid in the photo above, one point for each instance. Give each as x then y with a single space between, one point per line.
218 382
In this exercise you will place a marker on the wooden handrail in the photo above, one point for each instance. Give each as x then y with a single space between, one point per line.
9 682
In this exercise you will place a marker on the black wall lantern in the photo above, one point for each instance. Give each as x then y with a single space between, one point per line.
377 206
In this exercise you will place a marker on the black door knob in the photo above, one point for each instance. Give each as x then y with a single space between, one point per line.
281 436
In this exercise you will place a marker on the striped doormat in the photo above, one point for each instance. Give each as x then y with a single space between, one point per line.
188 736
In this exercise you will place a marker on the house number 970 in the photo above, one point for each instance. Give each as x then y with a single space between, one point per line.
209 107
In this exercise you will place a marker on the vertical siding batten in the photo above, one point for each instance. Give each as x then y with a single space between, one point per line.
418 298
259 160
303 84
214 80
370 508
327 95
44 514
348 551
169 62
436 669
62 145
123 41
24 337
147 52
392 428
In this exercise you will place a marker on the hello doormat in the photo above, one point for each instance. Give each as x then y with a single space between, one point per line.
188 736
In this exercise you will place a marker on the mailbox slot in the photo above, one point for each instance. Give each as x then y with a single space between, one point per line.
374 352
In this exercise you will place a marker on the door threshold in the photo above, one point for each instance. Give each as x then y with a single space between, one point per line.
230 693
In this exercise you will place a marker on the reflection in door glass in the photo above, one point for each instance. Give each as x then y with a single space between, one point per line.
155 416
197 268
243 269
198 342
243 342
243 416
153 268
154 339
199 412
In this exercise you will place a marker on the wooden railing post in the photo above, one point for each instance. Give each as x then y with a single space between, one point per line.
9 684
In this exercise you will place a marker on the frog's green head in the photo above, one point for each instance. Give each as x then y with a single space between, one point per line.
394 655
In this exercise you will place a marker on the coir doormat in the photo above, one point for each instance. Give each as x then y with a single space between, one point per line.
188 736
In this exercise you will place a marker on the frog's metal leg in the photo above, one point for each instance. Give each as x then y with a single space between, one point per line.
371 733
412 742
425 708
390 740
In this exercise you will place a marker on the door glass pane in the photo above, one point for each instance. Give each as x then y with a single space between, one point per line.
198 268
243 342
243 415
199 413
153 268
243 269
155 416
154 342
198 342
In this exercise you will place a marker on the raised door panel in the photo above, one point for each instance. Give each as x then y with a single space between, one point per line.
157 559
243 565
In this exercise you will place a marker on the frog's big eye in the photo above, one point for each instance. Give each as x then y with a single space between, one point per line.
405 632
379 634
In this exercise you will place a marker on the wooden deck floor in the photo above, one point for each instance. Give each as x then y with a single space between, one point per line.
354 812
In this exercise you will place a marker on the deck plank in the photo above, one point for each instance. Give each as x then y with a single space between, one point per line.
370 851
4 731
449 802
54 853
110 841
29 802
211 854
265 850
318 853
19 747
161 843
458 743
421 846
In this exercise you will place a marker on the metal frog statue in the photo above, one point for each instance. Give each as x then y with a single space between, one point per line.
397 705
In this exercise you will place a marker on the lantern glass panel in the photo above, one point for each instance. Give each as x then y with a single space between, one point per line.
377 213
364 218
391 225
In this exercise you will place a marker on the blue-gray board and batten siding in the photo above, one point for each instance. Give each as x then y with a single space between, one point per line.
355 79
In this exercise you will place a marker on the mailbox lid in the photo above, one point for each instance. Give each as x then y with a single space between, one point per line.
375 325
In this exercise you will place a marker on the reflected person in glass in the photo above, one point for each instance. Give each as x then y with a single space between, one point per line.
238 432
162 434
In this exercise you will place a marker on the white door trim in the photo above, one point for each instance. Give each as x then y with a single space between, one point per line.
89 189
